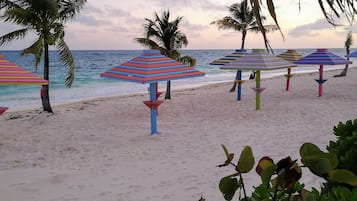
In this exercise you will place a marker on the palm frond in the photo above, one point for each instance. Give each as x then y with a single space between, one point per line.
67 60
68 9
8 4
36 49
188 60
18 34
23 17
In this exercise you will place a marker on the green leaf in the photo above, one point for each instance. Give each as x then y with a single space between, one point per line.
228 186
229 157
246 160
267 174
343 176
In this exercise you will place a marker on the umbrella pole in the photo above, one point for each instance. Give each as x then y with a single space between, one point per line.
239 79
257 93
153 109
288 80
321 80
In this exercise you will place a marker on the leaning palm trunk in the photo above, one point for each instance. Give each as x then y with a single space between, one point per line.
45 97
348 44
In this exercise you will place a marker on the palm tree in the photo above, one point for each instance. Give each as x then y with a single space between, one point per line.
242 19
46 18
165 35
348 44
336 8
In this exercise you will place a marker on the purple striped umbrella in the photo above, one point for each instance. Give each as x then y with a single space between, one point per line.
151 67
322 57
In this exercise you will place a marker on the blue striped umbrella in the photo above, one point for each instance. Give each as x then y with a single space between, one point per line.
322 57
353 54
151 67
258 60
229 58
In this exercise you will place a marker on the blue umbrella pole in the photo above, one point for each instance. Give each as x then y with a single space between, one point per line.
239 80
153 109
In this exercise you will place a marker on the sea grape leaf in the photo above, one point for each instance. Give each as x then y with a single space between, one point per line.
263 163
228 186
267 173
246 160
343 176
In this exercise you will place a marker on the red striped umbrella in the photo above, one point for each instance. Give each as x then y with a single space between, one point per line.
151 67
322 57
11 74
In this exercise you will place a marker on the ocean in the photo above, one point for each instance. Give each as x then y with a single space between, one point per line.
89 64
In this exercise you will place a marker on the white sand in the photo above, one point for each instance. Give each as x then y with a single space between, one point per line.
101 150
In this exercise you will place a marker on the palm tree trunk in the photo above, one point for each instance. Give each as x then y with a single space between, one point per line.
168 90
45 88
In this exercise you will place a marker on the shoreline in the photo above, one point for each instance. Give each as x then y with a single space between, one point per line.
174 88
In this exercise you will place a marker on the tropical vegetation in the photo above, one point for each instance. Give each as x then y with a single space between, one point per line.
46 18
166 36
348 44
330 9
242 19
281 181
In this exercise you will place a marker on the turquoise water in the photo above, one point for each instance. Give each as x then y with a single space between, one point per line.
88 84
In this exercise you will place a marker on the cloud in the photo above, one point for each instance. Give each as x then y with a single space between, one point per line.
311 29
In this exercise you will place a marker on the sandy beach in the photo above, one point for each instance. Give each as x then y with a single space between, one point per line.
101 150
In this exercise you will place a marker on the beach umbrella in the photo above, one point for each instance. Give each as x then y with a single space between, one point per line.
258 60
150 68
227 59
353 54
291 56
322 57
11 74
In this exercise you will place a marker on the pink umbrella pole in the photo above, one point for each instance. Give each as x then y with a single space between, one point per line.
320 80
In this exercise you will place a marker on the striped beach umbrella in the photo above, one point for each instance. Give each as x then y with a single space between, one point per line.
229 58
151 67
322 57
291 56
258 60
11 74
353 54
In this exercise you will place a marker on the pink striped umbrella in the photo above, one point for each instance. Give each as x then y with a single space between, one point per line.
151 67
11 74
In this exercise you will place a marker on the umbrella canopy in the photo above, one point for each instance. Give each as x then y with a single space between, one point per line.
291 56
322 57
228 58
258 60
353 54
151 67
11 74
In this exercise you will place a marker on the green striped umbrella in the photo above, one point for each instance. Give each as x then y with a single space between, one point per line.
258 60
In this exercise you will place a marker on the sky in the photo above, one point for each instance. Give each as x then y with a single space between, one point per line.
113 25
